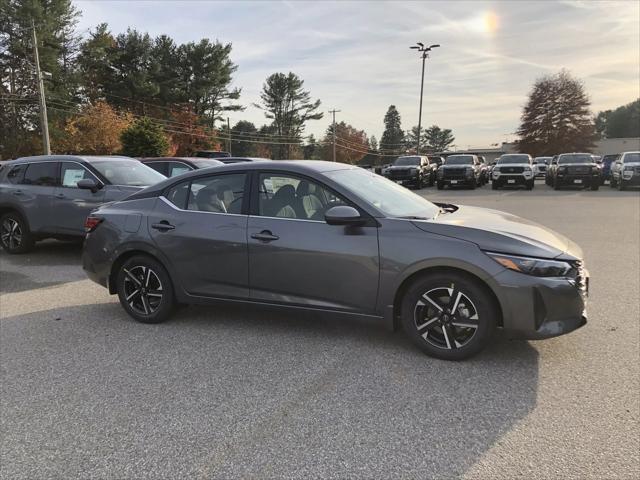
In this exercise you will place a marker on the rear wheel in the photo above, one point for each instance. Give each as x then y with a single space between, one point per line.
448 315
15 236
145 290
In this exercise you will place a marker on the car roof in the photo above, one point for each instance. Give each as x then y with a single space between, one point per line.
76 158
301 167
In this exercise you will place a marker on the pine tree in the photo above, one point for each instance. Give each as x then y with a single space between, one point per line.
144 138
393 136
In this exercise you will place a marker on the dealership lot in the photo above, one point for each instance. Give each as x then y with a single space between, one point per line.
236 392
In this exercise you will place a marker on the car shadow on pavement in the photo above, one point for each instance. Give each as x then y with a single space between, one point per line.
233 392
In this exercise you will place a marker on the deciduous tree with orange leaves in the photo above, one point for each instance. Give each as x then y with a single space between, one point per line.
94 130
351 144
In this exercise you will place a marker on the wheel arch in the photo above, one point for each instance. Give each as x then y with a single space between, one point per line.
408 281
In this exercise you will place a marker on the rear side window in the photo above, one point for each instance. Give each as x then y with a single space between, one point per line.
16 174
216 194
42 174
178 168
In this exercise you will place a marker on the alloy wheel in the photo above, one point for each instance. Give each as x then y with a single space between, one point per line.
142 289
446 318
11 234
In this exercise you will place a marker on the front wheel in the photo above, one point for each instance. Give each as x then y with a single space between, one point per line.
556 184
440 185
595 186
145 290
448 315
621 185
15 236
494 185
530 185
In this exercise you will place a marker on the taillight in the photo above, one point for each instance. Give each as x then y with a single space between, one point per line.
91 223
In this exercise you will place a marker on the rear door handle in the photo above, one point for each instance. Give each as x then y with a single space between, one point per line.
163 226
265 236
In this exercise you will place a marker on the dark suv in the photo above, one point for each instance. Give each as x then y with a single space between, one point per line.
576 170
413 171
460 170
51 195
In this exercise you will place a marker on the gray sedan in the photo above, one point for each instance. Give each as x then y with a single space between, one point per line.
335 238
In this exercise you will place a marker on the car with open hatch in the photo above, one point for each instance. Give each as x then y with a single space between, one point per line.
329 237
50 196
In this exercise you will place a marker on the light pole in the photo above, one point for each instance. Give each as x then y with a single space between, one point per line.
425 54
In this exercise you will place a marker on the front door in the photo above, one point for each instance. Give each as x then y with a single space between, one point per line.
200 227
296 258
72 204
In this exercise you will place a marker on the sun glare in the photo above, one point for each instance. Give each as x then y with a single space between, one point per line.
490 22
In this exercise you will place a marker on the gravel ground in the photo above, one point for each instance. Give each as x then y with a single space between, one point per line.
243 393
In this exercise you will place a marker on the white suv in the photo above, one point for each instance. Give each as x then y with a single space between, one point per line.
625 171
513 169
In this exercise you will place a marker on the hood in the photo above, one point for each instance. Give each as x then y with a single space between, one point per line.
501 232
402 167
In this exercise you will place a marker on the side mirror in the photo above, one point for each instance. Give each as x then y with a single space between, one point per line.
89 184
343 215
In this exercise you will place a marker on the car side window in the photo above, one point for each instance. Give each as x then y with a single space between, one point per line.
178 168
41 174
217 193
16 174
179 194
288 196
71 173
160 167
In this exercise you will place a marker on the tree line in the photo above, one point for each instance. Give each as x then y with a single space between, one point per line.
139 95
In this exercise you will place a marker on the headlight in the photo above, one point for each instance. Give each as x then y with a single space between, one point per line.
533 266
469 172
562 169
527 169
496 169
628 169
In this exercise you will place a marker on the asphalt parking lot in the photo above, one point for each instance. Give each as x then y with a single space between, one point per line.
242 393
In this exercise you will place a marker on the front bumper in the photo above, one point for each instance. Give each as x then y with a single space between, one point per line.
535 308
457 182
404 180
578 180
507 179
631 180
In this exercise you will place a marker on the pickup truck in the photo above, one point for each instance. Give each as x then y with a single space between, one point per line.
413 170
462 170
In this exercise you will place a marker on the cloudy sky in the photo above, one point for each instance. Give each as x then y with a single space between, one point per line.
355 56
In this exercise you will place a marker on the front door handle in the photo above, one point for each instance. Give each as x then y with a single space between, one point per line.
265 236
163 226
59 195
17 192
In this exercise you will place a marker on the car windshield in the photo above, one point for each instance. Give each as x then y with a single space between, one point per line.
127 172
459 160
201 163
575 158
513 159
390 198
436 160
631 157
404 161
542 159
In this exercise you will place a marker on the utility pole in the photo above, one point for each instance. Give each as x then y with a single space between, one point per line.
425 54
334 111
44 124
229 134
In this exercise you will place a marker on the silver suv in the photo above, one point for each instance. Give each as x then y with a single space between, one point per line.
51 195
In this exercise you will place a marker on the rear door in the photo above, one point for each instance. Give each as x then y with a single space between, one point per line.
296 258
35 196
200 226
72 204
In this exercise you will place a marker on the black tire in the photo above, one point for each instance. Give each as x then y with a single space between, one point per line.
147 273
474 184
595 186
15 235
432 179
440 185
612 183
426 324
556 184
530 185
621 185
495 185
